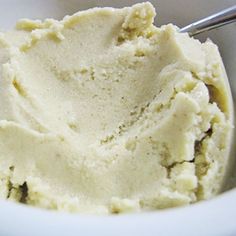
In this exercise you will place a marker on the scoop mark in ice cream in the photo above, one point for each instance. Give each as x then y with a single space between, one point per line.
103 112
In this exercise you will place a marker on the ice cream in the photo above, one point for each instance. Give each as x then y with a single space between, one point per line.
102 112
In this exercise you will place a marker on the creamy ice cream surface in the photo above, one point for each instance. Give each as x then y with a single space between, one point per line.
102 112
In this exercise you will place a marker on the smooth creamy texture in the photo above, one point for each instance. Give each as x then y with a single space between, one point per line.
103 112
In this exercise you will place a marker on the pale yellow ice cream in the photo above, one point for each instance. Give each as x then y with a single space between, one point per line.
103 112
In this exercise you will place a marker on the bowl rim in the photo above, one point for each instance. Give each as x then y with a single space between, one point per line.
211 217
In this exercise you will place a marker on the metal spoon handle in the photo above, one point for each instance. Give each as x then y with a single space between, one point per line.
214 21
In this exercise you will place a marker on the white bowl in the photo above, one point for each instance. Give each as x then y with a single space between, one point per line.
213 217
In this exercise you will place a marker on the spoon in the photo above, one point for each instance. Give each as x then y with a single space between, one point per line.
211 22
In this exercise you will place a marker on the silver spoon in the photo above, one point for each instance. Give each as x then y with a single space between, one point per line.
214 21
